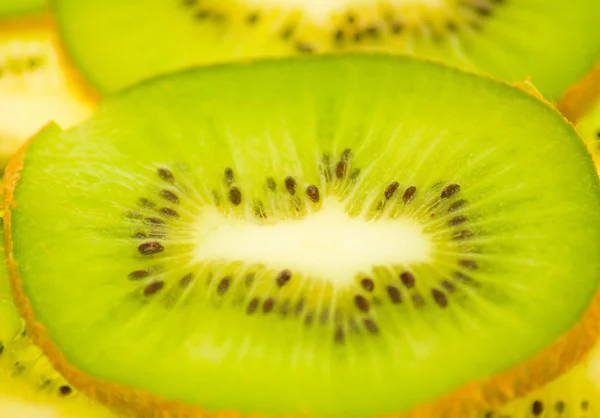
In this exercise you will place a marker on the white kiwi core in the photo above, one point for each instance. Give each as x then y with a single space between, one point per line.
327 243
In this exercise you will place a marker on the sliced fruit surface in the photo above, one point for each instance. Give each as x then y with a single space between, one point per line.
14 8
574 395
589 128
29 386
332 235
116 44
34 89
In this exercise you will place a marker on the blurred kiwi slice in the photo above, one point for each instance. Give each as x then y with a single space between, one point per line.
325 236
13 8
574 395
581 105
34 88
116 44
29 385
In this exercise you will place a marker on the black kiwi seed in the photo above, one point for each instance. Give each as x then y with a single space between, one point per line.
299 307
155 221
154 288
340 169
268 305
186 280
361 303
448 286
259 209
284 308
371 326
457 220
339 335
313 193
138 274
252 18
304 48
560 407
146 203
223 285
470 264
418 300
339 35
396 27
585 405
457 205
462 235
290 185
271 184
288 32
394 294
283 277
252 306
408 279
450 191
409 194
367 284
169 195
151 247
439 297
166 175
65 390
169 212
1 348
391 189
229 176
537 408
235 196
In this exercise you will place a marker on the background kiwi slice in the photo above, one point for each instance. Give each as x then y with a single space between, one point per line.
116 44
34 88
298 227
29 386
13 8
574 395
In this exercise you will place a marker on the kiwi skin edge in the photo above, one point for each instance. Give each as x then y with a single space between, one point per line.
569 350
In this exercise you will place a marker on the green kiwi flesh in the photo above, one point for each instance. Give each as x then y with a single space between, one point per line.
18 8
512 40
330 235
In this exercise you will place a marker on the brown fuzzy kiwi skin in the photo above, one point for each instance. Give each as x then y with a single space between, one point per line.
471 400
581 96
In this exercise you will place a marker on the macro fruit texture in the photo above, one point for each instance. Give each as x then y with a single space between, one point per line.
33 87
116 44
581 105
303 224
29 386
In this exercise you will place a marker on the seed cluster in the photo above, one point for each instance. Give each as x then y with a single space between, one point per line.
538 408
394 24
54 385
357 309
18 66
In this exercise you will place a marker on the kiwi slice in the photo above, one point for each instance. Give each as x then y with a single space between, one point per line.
13 8
29 386
116 44
34 88
574 395
329 235
581 105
